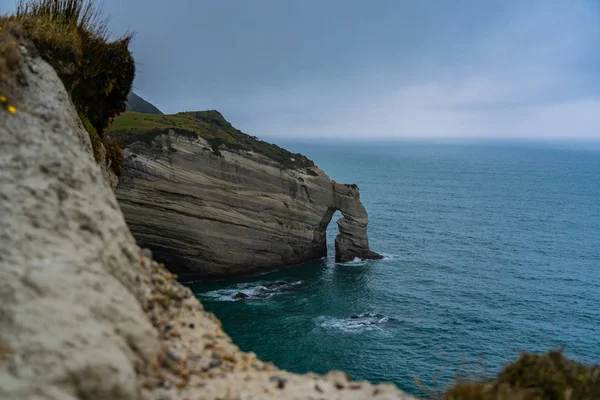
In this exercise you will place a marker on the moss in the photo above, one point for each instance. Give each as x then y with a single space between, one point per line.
114 156
535 377
94 137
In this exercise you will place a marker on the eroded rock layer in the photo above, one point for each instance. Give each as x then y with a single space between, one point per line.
233 212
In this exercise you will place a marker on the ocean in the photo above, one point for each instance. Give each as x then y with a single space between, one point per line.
490 250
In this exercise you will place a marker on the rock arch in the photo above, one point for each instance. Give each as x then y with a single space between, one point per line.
352 241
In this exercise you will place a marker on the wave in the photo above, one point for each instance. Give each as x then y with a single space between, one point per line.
357 262
357 323
360 262
250 291
388 257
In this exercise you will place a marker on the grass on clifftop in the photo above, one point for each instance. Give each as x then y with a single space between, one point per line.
71 36
210 125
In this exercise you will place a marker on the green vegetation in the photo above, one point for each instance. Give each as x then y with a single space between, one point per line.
535 377
70 35
352 185
137 122
94 137
210 125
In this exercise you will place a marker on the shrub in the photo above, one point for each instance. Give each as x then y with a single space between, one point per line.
535 377
71 36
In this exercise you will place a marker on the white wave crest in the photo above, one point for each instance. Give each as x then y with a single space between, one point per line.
357 262
250 291
356 323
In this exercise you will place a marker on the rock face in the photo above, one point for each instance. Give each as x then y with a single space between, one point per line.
84 314
71 321
234 213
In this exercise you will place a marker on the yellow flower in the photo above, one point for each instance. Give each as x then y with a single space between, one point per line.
3 99
14 43
12 109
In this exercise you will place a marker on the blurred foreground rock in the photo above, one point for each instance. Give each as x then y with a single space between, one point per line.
84 313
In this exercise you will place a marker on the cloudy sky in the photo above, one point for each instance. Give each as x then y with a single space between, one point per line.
373 69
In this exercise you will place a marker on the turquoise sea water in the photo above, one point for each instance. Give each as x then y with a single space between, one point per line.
490 250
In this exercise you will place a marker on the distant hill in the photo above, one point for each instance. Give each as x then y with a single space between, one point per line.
137 104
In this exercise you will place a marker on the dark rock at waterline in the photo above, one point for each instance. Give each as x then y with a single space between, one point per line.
240 296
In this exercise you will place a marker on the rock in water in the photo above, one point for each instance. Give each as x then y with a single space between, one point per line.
240 296
352 242
238 212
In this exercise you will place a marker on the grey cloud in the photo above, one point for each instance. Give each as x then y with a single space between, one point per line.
384 69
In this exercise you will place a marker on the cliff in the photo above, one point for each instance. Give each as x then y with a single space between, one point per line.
84 313
212 201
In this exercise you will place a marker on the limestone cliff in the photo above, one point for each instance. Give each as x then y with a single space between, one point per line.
231 210
84 314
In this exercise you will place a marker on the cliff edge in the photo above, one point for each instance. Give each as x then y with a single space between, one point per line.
84 313
212 201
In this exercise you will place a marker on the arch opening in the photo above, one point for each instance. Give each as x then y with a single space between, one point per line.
332 233
327 232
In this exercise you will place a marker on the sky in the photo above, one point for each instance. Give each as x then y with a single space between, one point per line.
381 69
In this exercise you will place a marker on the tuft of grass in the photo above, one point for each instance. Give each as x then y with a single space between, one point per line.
81 14
209 125
535 377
